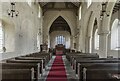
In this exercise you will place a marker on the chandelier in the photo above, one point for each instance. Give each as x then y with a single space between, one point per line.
12 12
104 11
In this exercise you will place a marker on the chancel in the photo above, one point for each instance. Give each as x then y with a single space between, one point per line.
59 40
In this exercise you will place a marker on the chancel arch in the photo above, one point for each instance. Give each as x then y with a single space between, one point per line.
52 16
58 29
65 18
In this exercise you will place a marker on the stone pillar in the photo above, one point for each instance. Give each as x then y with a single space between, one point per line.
71 42
103 39
109 45
103 32
92 45
78 45
41 30
87 44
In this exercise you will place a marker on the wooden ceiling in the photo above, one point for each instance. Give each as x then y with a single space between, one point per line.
68 6
60 25
116 7
46 3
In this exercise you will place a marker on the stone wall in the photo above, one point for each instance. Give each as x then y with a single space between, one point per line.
21 32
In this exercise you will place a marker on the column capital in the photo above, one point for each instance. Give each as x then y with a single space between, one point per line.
104 32
88 36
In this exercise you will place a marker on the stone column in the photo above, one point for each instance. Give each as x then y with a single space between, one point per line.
91 45
41 30
103 39
109 45
78 45
87 44
71 42
103 32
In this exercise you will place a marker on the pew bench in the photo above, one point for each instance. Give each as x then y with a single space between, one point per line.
36 67
83 66
38 62
17 75
81 55
101 74
33 58
45 57
69 56
81 61
73 58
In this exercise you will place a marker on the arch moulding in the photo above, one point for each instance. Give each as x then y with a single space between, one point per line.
66 19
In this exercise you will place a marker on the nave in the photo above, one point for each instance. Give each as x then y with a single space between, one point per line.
65 40
70 67
69 72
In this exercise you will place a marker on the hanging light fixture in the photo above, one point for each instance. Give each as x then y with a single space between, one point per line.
103 11
12 12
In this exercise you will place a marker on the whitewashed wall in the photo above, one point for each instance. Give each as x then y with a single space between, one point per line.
20 32
51 15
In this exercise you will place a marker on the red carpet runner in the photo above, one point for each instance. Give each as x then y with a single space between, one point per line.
57 71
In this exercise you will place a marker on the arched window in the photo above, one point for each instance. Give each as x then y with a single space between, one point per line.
80 12
1 37
60 40
39 12
89 2
38 41
29 2
115 35
96 40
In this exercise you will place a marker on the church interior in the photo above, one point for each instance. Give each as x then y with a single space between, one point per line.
60 40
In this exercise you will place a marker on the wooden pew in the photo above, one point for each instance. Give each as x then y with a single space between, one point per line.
68 55
36 67
91 61
88 56
39 62
81 56
82 67
17 74
74 64
101 74
46 56
71 57
32 58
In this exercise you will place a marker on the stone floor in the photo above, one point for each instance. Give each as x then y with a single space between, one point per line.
70 73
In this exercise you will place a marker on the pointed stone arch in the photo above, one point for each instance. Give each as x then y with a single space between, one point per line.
66 33
65 18
61 24
110 7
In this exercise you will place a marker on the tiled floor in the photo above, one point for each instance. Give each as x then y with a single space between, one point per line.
70 73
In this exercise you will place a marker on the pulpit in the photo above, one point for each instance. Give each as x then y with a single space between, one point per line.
44 47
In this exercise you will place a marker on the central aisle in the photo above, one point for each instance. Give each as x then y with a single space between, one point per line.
57 71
